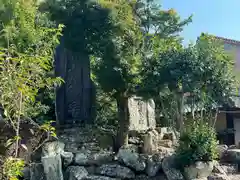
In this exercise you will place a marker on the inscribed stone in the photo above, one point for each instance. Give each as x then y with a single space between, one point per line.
142 114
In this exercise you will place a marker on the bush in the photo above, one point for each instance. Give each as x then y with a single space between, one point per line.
12 168
197 143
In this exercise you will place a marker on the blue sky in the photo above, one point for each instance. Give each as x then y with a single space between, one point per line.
216 17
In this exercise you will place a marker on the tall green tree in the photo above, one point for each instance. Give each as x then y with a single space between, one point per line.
157 21
202 70
162 30
117 70
140 29
26 54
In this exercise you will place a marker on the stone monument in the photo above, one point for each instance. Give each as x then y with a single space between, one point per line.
75 97
142 114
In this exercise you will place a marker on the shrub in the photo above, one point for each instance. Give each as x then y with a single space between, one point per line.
197 143
12 168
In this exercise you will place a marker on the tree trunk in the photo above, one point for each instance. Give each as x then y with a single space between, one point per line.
123 117
179 118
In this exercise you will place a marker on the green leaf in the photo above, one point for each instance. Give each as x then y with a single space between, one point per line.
9 142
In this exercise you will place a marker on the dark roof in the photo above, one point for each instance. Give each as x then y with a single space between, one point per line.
229 41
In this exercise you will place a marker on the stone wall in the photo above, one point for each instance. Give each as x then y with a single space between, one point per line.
80 155
83 157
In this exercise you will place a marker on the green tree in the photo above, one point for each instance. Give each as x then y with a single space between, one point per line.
156 21
202 71
21 34
140 29
162 31
25 59
117 70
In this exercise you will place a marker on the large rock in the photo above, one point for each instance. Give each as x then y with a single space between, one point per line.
131 159
170 170
233 155
218 169
91 169
75 173
225 168
67 158
100 178
81 159
116 171
218 177
37 171
88 158
135 141
165 143
222 149
145 177
198 170
154 164
165 152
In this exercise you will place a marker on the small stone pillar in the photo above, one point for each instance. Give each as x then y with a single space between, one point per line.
150 142
51 160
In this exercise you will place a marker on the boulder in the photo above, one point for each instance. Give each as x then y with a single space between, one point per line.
116 171
169 136
170 170
145 177
222 149
81 159
99 178
198 170
101 157
225 168
67 158
233 155
165 152
91 169
218 169
233 147
154 164
165 143
131 159
88 158
218 177
134 140
75 173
